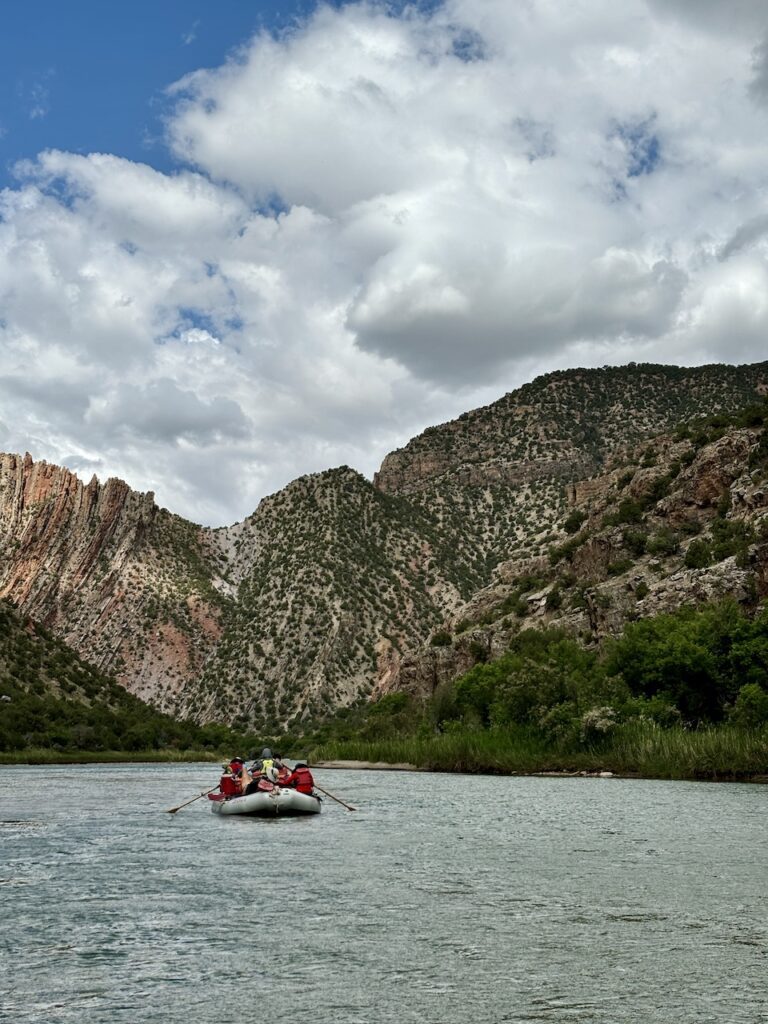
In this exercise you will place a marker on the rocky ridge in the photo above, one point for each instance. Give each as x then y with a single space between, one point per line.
124 583
677 521
334 580
316 599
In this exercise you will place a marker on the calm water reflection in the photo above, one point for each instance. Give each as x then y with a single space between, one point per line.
443 899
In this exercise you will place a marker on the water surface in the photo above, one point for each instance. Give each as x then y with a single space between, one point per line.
443 899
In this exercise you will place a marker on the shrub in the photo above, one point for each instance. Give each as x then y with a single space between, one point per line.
478 651
628 511
730 537
664 542
625 478
635 541
441 639
698 555
573 523
751 708
621 565
690 526
566 551
597 723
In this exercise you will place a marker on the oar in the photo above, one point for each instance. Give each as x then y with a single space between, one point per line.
335 798
173 810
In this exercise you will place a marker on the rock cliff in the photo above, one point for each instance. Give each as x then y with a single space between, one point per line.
689 529
117 578
333 587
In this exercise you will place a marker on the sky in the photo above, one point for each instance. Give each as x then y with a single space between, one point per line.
249 240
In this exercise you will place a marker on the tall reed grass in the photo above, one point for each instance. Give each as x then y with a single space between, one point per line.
634 749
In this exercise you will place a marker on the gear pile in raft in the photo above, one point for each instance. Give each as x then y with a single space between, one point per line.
267 789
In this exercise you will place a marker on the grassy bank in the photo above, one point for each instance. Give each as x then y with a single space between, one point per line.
641 749
634 749
106 756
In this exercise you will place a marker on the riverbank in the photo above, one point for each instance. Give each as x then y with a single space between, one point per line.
640 750
41 756
381 766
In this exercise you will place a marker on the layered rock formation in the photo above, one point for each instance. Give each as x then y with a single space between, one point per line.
690 529
117 578
317 598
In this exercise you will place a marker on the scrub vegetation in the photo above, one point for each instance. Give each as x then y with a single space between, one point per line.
56 707
683 695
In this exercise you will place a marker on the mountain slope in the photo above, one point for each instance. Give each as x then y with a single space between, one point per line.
314 600
126 583
335 578
49 697
681 520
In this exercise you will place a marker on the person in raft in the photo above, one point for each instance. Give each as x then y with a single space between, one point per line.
265 767
231 780
300 779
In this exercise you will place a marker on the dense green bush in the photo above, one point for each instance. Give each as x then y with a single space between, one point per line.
693 668
635 540
698 555
730 537
441 639
751 708
664 542
629 510
574 521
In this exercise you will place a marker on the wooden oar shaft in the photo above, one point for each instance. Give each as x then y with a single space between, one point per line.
172 810
335 798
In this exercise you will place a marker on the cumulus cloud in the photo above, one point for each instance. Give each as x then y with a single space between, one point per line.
378 220
745 235
736 17
758 87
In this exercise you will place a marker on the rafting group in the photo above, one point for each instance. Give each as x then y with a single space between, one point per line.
267 788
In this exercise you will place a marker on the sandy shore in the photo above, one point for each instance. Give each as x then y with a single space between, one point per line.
379 766
384 766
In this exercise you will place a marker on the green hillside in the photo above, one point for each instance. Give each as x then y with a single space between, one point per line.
50 699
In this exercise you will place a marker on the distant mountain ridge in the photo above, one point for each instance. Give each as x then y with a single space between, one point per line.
566 423
316 599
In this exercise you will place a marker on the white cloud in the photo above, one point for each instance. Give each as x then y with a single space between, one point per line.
190 35
35 95
379 221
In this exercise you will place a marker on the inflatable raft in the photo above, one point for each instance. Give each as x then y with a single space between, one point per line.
266 803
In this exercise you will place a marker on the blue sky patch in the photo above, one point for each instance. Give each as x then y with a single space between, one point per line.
469 46
194 318
91 77
643 146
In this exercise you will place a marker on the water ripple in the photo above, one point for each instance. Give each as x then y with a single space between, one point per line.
443 900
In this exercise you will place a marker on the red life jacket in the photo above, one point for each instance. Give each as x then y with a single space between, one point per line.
301 780
230 785
304 781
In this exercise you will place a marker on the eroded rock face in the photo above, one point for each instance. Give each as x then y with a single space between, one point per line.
619 572
333 586
715 469
92 562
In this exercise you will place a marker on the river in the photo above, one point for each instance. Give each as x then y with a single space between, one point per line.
443 899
